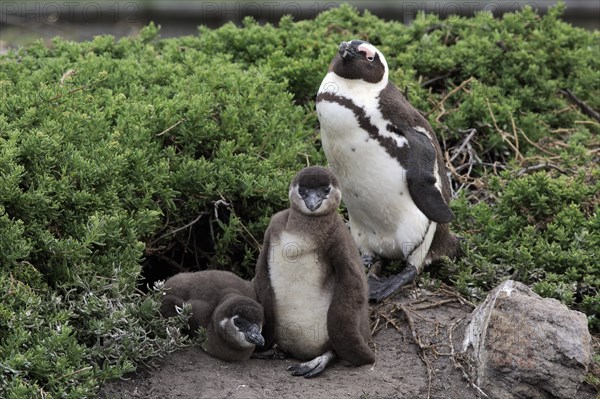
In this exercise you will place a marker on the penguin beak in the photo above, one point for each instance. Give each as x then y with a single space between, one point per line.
312 200
253 335
347 51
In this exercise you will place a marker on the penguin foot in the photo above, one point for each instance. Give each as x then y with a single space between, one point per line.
381 288
312 368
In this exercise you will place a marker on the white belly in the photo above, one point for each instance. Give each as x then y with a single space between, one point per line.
302 297
383 217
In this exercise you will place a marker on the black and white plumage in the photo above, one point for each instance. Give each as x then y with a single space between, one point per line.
310 281
388 162
225 305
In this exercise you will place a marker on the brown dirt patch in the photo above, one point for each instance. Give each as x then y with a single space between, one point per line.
413 360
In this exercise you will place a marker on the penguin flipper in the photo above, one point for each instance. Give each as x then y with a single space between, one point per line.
262 280
169 304
421 177
349 300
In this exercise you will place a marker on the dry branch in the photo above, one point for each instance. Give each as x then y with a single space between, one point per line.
586 109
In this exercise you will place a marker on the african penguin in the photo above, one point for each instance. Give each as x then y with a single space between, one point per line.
389 165
224 304
310 280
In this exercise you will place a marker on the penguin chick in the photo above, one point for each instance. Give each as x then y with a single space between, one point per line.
224 304
389 164
310 280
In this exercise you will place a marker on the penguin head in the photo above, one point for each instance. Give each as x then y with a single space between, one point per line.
358 59
240 320
315 191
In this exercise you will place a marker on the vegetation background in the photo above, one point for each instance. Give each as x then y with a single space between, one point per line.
125 161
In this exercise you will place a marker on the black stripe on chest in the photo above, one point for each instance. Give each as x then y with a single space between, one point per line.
388 143
418 245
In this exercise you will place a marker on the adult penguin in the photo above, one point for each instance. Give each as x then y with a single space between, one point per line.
389 165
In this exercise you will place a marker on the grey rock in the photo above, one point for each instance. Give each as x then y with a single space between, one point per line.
520 345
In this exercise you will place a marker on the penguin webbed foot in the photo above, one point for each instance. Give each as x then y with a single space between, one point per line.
312 368
381 288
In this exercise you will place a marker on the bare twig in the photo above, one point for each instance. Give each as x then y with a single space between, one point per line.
541 166
75 90
450 94
441 77
495 165
177 230
514 130
254 240
587 123
542 149
504 134
216 204
468 159
457 296
375 326
306 157
390 320
75 372
171 127
224 201
464 144
212 232
435 304
586 109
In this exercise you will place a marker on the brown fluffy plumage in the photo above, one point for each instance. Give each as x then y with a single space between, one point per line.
333 266
220 301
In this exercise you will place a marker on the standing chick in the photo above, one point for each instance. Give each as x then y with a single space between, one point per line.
310 280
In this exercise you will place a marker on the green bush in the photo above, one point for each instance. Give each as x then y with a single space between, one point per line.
125 161
541 230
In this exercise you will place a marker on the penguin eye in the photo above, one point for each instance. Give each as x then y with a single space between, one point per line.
326 190
369 58
302 191
237 322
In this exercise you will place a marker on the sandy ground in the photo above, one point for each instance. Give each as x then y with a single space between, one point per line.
412 361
